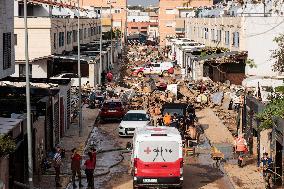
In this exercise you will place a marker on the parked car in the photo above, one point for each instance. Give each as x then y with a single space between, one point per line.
157 158
133 119
179 108
96 99
111 110
74 78
160 68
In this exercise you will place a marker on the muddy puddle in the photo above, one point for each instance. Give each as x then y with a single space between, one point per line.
107 162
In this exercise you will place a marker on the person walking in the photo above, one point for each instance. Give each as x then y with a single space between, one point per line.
89 163
57 161
94 152
76 167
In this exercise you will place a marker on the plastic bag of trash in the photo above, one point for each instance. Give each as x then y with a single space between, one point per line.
217 98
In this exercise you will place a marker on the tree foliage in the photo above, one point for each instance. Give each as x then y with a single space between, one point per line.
7 145
278 54
274 109
115 33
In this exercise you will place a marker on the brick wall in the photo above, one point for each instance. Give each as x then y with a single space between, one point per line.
4 171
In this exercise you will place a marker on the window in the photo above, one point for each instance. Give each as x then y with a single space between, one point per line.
69 37
170 11
117 11
236 39
54 40
75 35
7 50
219 35
206 33
143 28
134 28
170 24
212 35
227 37
81 34
61 39
15 39
22 70
85 33
92 31
133 20
89 32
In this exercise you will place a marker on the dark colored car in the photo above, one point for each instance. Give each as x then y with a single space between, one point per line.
112 109
179 108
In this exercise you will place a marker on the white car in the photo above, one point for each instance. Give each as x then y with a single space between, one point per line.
132 120
74 79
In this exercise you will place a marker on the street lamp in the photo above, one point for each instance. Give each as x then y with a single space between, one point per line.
28 100
79 74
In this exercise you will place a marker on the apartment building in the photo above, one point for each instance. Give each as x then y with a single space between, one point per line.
253 34
113 12
49 36
7 54
172 16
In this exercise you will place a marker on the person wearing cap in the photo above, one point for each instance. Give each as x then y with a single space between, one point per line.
76 167
57 161
267 167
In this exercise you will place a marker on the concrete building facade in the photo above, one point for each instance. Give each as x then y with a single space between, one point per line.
7 53
113 12
251 34
170 17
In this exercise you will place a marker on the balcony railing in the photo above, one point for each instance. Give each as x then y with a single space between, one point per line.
180 30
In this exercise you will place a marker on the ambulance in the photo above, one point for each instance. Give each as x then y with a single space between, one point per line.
157 159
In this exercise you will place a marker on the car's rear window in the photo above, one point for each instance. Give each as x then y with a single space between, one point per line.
112 104
135 117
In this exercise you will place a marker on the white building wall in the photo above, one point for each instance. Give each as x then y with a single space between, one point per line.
6 26
260 32
144 18
256 36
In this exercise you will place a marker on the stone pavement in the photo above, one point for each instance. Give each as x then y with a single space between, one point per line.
217 133
68 142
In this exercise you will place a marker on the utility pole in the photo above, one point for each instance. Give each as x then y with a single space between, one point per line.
111 48
28 100
79 74
101 41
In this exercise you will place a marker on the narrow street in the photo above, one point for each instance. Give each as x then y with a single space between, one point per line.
198 171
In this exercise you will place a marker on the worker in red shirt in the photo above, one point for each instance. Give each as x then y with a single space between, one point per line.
76 167
94 152
89 163
109 76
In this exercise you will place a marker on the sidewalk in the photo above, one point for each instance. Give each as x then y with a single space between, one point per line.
69 141
218 134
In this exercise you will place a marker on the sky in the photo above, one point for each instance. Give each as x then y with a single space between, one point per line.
143 2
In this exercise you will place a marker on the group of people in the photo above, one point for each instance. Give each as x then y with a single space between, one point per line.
76 162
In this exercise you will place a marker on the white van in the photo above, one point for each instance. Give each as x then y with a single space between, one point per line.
157 159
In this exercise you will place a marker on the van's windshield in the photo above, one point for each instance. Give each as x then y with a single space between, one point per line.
158 151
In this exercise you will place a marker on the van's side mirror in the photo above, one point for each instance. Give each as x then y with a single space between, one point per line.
129 146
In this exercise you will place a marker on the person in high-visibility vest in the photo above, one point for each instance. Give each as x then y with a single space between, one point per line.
240 144
167 119
240 148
